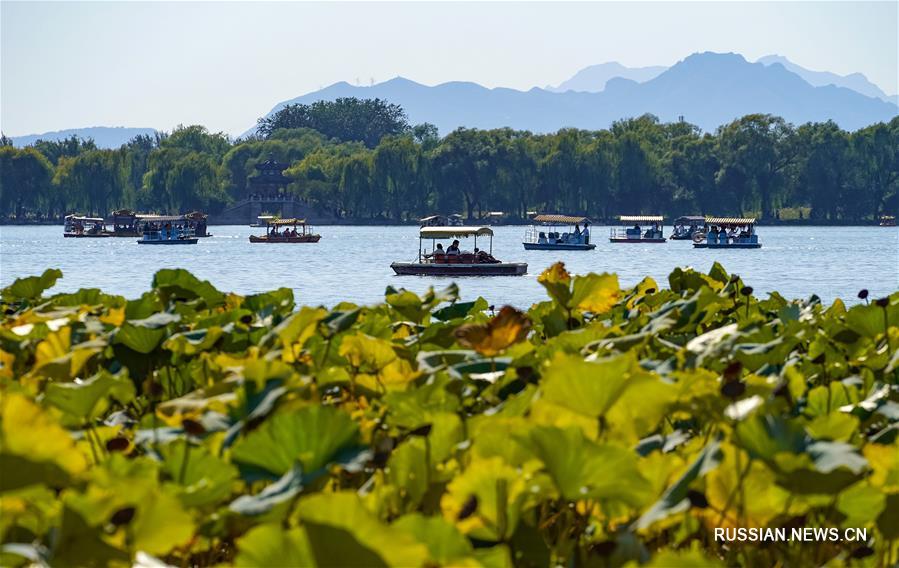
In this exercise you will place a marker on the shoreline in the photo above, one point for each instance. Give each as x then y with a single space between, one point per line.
512 223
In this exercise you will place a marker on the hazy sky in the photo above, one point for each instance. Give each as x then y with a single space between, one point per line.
223 64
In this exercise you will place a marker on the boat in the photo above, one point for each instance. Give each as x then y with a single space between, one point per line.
727 233
124 223
77 226
287 235
543 234
453 220
685 227
167 234
635 234
887 221
457 263
193 223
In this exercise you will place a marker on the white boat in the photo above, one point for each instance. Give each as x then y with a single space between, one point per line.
636 234
727 233
543 234
449 262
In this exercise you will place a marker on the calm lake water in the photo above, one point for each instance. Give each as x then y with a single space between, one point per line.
353 263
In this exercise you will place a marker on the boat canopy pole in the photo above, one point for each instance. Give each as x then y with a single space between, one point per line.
491 244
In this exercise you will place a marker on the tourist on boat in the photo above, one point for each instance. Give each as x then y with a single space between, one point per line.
481 256
438 252
453 248
541 238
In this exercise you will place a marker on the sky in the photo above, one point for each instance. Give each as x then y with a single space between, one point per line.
224 64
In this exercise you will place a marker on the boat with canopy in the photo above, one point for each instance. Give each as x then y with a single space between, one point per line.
453 261
286 231
632 231
166 230
544 233
727 233
687 226
78 227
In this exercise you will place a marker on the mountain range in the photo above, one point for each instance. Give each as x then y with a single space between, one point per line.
104 136
707 89
593 79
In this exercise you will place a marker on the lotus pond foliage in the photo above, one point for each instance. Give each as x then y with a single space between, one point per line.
601 427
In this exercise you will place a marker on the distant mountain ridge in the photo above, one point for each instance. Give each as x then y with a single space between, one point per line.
706 89
594 78
855 81
103 136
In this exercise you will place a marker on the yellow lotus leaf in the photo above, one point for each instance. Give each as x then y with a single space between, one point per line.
884 460
6 363
485 500
760 499
114 317
31 433
367 353
557 282
508 328
595 293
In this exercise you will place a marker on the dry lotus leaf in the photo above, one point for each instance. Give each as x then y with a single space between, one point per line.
508 328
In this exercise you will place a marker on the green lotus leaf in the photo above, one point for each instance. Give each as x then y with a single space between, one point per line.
868 320
300 325
445 543
862 504
31 287
460 310
271 544
766 436
416 407
585 387
201 477
161 524
91 397
312 436
582 469
339 321
485 501
178 283
407 304
81 544
278 301
342 532
193 342
674 498
139 338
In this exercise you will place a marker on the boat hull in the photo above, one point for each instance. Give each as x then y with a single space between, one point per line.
86 236
300 239
423 269
727 246
636 241
191 241
548 246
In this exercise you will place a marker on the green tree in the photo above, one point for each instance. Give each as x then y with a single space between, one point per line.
759 148
347 119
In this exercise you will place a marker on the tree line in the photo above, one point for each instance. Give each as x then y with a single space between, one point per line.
361 159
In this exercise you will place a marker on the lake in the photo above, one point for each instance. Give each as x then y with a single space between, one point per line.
353 263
